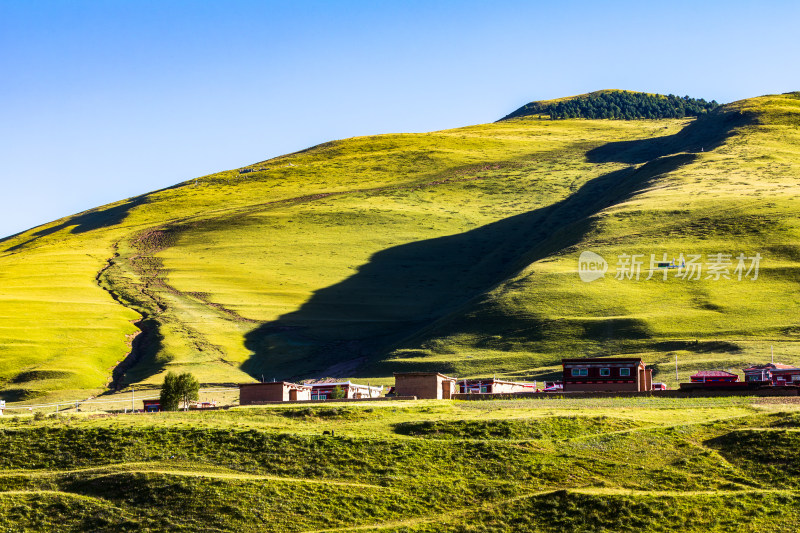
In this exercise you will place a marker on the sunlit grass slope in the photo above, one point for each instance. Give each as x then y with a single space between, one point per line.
454 250
59 330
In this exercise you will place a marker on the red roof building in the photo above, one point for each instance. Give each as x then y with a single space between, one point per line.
606 374
714 376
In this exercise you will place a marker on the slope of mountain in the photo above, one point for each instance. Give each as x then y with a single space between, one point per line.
456 250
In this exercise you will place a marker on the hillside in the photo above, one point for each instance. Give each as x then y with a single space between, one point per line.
454 250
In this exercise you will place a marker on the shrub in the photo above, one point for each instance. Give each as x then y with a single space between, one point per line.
178 388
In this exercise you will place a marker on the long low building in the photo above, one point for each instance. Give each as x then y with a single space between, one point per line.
424 385
606 374
274 391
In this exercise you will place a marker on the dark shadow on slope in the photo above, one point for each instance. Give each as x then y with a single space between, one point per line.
404 289
701 135
18 395
697 346
141 360
87 221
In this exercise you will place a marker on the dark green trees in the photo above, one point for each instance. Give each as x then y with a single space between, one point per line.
623 105
177 389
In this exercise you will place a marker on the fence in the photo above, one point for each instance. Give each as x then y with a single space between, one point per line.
86 405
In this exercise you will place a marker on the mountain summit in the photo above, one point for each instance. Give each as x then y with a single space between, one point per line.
616 104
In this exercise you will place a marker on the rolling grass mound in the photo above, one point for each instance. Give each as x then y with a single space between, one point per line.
643 467
769 455
595 512
544 428
48 511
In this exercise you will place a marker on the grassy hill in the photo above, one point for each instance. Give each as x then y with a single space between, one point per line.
454 250
704 464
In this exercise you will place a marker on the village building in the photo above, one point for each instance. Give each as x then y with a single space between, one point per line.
607 374
424 385
327 390
776 373
202 405
714 376
493 386
152 406
275 391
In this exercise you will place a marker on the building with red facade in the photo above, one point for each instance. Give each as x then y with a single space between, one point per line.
776 373
606 374
152 406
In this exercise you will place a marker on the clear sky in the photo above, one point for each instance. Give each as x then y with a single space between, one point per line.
106 99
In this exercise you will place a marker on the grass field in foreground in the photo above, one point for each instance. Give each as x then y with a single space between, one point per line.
711 464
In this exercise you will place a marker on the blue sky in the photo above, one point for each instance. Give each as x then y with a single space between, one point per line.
103 100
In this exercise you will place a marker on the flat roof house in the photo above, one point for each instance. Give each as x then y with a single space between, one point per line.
492 386
606 374
424 385
275 391
714 376
777 373
152 406
325 390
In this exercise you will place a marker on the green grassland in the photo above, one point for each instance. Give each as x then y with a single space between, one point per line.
644 464
454 250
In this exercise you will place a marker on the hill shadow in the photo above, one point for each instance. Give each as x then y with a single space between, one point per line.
141 361
87 221
403 289
703 134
